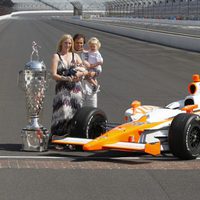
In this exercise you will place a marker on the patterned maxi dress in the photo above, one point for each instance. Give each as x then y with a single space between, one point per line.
67 100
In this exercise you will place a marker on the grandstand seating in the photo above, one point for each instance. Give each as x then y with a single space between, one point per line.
5 7
173 9
58 4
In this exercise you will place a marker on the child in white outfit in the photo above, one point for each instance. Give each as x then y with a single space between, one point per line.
95 61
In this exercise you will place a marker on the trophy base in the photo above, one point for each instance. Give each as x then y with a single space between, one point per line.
35 139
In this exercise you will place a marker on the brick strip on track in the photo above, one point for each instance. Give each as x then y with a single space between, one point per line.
98 164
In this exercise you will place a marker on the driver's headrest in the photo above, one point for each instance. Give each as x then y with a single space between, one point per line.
194 87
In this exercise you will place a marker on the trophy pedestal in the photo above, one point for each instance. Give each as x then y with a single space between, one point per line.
35 139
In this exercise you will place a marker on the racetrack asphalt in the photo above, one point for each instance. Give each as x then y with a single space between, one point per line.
153 74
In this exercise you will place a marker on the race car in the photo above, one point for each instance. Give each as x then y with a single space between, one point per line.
174 128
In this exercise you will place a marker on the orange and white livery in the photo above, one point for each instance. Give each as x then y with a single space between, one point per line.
150 129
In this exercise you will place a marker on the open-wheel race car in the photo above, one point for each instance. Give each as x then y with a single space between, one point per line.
174 128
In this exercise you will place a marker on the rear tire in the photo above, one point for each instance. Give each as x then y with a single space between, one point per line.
184 136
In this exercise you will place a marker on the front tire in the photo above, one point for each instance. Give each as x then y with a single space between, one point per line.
184 136
89 123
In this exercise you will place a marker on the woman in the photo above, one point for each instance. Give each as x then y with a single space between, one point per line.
69 95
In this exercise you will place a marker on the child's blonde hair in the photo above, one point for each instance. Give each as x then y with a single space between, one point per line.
94 40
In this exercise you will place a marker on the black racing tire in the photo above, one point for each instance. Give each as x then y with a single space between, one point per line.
88 122
184 136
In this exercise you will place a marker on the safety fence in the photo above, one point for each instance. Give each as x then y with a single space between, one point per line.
170 9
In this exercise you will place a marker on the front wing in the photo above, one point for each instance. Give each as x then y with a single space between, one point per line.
150 148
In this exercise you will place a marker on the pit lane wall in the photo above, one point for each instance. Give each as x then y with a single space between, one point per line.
168 39
2 17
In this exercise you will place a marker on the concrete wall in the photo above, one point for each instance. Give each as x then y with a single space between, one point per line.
168 39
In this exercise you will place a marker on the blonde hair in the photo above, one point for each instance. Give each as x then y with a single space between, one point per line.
95 41
62 39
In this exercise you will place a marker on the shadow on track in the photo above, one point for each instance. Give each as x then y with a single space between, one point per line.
11 147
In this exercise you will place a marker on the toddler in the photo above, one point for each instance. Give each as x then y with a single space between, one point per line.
94 62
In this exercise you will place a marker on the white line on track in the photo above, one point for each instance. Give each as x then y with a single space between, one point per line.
88 157
32 157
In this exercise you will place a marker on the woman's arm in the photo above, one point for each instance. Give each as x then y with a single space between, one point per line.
54 65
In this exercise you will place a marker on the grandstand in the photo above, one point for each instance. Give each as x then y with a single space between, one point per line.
160 9
22 5
5 6
88 5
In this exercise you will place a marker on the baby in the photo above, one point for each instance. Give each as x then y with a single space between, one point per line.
94 62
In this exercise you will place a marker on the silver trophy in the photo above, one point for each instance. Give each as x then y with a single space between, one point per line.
34 80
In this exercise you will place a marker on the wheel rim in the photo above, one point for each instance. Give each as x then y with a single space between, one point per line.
194 139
